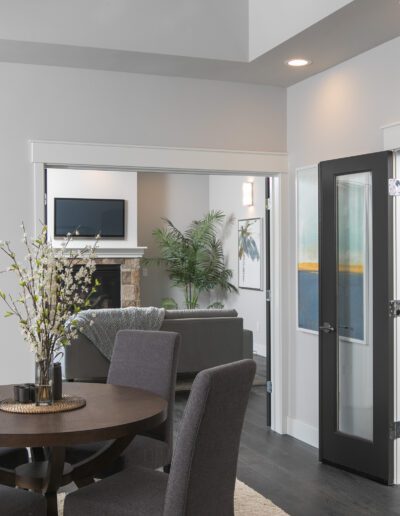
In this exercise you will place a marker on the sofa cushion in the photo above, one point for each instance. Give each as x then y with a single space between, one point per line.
199 313
207 342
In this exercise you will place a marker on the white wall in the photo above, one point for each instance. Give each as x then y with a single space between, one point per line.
95 184
226 195
337 113
50 103
178 197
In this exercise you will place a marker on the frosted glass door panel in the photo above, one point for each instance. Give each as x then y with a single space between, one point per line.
354 304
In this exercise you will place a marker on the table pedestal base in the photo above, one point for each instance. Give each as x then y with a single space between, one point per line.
34 475
47 476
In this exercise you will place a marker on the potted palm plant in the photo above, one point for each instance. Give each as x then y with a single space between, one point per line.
194 258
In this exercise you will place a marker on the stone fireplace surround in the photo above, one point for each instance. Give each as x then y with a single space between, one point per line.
130 278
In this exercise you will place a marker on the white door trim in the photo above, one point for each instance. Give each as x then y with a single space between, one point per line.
391 142
279 303
199 161
158 158
391 136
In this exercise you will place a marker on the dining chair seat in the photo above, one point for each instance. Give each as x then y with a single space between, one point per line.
203 469
143 451
133 492
18 502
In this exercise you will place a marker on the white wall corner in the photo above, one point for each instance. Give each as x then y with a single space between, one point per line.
279 286
302 431
391 136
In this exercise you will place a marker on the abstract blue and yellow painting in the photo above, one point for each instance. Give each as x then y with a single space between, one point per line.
307 248
351 248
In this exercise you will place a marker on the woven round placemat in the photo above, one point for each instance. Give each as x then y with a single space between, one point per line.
66 404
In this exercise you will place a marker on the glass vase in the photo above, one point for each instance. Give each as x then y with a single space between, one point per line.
44 382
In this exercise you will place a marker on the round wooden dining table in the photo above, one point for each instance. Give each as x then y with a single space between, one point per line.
112 413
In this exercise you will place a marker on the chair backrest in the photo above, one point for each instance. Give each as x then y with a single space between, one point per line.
148 360
203 470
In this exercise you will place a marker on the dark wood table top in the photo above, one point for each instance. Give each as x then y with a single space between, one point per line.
111 412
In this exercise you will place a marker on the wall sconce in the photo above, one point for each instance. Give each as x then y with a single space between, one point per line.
247 194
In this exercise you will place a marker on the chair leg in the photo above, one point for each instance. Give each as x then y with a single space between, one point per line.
167 468
51 503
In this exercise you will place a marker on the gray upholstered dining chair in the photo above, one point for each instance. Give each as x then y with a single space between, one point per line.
18 502
203 470
145 360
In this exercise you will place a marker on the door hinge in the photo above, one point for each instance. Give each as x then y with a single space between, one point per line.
394 308
268 295
394 187
394 430
268 204
45 199
269 387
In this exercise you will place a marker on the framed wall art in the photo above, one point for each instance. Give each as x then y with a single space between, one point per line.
250 253
307 249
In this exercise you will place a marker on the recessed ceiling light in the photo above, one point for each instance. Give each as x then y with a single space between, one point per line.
298 62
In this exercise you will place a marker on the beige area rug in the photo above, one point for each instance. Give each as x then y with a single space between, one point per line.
250 503
247 503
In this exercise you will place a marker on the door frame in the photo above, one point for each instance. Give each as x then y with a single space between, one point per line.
193 161
267 265
391 142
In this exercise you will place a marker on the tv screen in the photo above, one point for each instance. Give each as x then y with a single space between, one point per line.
90 217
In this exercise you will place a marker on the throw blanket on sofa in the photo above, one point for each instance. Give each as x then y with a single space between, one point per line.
102 326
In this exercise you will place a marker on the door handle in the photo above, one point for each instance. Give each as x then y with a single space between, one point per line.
327 328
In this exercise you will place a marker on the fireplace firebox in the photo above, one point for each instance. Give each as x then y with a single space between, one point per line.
108 294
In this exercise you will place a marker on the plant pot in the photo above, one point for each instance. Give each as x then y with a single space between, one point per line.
44 382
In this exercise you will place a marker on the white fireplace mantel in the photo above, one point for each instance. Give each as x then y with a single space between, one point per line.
135 252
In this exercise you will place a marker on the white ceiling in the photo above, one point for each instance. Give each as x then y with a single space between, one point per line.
271 22
234 40
214 29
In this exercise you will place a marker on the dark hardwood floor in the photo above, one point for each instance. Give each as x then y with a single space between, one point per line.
288 472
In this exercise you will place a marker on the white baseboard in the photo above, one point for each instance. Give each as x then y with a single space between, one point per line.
302 431
260 352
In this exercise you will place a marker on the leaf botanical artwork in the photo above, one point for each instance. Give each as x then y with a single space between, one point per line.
249 253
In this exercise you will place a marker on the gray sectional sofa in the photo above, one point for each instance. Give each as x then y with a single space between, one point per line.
209 338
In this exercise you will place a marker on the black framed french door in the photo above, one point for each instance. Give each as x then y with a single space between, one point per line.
356 331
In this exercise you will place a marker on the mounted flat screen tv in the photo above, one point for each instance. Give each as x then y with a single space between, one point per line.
89 217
